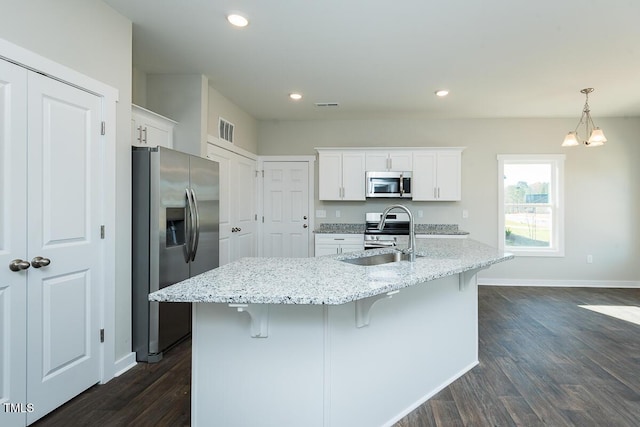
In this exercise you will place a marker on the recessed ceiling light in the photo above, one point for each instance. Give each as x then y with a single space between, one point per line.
237 20
295 96
442 92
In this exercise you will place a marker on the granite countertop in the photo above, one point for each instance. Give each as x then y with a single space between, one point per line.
342 228
326 279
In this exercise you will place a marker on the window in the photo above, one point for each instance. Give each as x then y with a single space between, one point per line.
530 197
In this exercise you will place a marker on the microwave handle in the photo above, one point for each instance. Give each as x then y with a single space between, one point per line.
401 185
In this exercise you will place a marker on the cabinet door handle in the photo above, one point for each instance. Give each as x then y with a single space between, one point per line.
438 192
435 193
145 134
140 134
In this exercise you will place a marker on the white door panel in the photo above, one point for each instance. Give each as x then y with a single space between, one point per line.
286 209
65 333
13 244
64 190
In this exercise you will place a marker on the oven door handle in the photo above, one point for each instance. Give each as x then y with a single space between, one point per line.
379 244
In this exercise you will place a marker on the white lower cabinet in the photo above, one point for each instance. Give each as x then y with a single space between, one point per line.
332 244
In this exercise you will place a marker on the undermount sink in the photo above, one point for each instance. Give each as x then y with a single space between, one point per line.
379 259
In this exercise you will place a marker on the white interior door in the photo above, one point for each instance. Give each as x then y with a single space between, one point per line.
64 217
244 189
13 243
238 228
286 209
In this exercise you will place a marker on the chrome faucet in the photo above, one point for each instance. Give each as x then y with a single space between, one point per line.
411 250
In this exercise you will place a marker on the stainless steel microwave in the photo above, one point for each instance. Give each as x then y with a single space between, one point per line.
389 184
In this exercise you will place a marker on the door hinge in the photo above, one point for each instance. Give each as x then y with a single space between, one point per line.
101 335
255 217
102 231
103 128
263 219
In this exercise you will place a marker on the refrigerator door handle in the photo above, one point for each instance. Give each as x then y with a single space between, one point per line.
196 233
190 226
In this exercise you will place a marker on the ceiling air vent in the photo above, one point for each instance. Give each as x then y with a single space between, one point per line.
225 129
326 104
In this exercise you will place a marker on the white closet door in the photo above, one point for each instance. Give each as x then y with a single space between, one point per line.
13 244
64 218
244 188
223 157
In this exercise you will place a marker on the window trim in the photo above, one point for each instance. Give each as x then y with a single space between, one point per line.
557 204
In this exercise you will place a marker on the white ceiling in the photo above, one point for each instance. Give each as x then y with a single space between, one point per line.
380 58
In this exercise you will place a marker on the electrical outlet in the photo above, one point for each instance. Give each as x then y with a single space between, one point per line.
337 214
420 213
465 213
321 213
589 259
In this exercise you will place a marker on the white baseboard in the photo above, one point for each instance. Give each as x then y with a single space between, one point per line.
560 283
428 396
125 363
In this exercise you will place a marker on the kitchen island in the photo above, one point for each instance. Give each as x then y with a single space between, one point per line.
323 342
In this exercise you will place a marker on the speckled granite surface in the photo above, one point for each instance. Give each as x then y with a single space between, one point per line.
328 280
340 228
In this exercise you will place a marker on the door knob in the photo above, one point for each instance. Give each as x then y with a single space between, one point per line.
18 264
39 261
305 226
304 217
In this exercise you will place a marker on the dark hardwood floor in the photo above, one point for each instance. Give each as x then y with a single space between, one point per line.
544 361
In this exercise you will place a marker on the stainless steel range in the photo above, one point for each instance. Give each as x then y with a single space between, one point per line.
394 233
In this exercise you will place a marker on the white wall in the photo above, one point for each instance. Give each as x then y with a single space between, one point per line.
183 98
246 127
602 184
139 87
91 38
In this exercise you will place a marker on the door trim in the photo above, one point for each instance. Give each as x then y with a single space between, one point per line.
312 195
34 62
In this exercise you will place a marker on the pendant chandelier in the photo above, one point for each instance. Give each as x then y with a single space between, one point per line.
594 133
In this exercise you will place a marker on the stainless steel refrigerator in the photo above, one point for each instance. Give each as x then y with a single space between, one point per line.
175 235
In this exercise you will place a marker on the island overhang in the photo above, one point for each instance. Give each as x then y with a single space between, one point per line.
327 279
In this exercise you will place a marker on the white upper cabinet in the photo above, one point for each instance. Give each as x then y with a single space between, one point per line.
437 175
341 175
149 129
436 172
384 160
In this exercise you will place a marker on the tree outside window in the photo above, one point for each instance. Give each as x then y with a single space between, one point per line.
530 204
